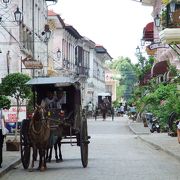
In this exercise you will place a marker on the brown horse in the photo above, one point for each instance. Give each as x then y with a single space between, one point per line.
39 133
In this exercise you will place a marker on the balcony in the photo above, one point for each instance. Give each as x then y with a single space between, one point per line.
148 2
83 71
170 24
170 35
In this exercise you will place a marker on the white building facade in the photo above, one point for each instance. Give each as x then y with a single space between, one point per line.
24 43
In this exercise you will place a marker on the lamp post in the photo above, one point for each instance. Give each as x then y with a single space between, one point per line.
142 42
138 50
18 15
47 34
141 58
157 21
58 53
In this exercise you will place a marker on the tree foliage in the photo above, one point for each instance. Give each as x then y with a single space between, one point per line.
128 76
4 102
13 85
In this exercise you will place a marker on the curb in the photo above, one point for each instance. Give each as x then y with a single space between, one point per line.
9 167
153 144
137 133
159 147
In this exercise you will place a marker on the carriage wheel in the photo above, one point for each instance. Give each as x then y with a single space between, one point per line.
24 144
84 143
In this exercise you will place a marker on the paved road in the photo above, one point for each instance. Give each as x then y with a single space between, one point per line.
115 153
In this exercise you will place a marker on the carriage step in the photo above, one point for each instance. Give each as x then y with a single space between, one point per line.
70 137
68 142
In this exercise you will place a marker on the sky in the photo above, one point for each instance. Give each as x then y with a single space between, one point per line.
117 25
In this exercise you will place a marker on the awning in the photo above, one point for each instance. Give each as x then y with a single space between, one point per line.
159 68
148 32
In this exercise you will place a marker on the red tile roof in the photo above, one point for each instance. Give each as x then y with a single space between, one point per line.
52 13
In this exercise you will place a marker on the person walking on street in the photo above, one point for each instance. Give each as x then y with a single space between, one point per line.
112 113
3 131
121 109
103 107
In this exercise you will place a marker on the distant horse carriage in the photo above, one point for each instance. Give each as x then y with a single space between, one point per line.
68 124
104 106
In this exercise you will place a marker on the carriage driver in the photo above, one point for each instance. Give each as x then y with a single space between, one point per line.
49 101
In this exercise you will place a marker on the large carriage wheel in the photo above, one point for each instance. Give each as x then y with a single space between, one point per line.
25 144
84 143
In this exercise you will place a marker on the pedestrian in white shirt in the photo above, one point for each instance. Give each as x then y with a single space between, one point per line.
2 135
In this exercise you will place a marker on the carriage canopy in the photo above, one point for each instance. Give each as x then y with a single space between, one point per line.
57 81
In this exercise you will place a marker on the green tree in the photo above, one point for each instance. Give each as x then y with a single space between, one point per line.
13 85
128 76
4 102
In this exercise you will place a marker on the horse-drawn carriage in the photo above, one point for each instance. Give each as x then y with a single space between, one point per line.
104 105
69 121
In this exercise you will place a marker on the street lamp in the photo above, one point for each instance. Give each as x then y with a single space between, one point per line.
138 50
48 34
17 15
140 57
142 42
157 21
58 54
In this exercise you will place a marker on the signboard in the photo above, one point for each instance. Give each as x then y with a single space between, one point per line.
157 45
11 114
30 63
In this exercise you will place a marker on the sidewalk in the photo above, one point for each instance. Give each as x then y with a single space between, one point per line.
160 141
10 158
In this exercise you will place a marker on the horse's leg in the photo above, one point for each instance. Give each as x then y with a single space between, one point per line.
47 153
44 158
43 165
59 145
41 161
55 149
50 154
33 157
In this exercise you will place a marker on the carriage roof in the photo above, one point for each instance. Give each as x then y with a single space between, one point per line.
56 81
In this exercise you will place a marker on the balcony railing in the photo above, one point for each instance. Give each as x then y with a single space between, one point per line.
170 19
83 71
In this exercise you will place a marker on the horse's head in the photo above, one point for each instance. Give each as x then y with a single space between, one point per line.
39 113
